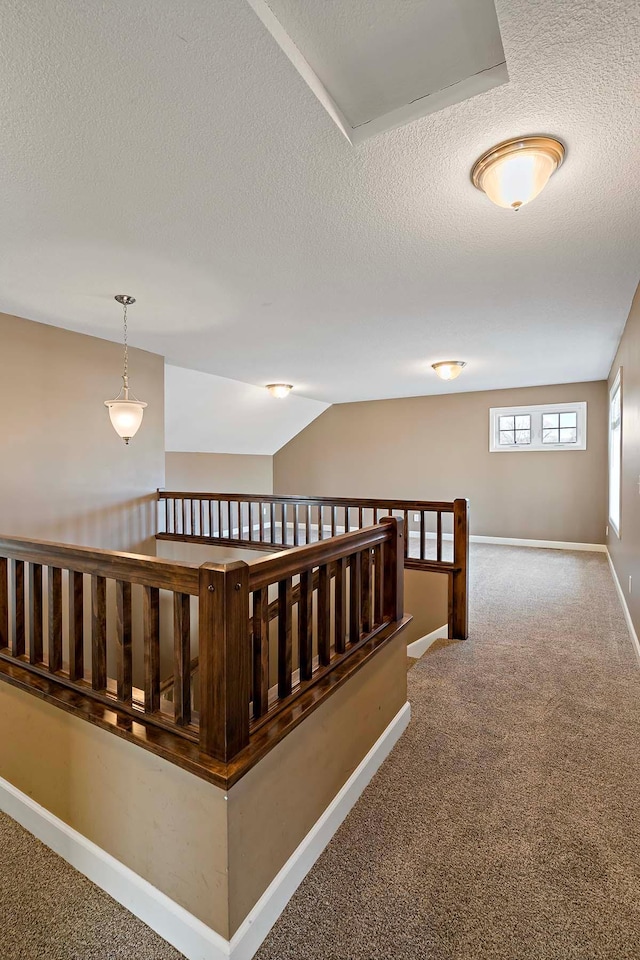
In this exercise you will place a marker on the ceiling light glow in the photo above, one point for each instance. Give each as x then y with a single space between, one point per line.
449 369
515 172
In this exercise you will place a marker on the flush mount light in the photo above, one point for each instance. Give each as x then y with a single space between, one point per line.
279 390
125 411
449 369
516 171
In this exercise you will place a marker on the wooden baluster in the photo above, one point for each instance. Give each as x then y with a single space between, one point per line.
250 511
123 641
98 633
366 590
176 526
378 584
355 597
167 516
393 603
340 600
423 531
261 521
305 625
320 524
459 579
193 517
359 518
211 523
260 652
36 639
4 604
219 520
240 521
285 530
151 632
182 658
203 511
439 536
18 635
285 645
307 538
324 615
346 519
185 514
334 511
54 589
406 539
76 625
296 526
272 525
225 671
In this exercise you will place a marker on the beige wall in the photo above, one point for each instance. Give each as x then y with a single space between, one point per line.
625 551
213 854
219 473
437 448
66 475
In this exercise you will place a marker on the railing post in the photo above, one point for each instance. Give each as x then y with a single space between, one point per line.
225 678
459 579
393 603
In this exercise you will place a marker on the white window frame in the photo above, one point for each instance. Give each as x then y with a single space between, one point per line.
615 523
535 411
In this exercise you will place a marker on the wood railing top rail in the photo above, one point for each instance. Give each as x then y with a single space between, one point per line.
176 575
297 560
442 506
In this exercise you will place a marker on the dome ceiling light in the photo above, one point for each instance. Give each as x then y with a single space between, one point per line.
125 411
449 369
279 390
514 172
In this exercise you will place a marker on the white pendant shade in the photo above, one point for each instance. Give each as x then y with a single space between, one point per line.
126 416
515 172
279 390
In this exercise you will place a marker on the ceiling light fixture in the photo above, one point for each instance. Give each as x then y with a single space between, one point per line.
515 172
449 369
279 390
125 411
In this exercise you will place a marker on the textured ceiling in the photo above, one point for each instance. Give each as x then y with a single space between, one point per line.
171 151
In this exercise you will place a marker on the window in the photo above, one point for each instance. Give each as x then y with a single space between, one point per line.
560 426
615 451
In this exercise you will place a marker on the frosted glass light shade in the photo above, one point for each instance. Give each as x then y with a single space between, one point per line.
279 390
515 172
449 369
126 416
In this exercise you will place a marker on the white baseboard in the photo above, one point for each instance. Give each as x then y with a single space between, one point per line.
418 647
172 922
517 542
625 608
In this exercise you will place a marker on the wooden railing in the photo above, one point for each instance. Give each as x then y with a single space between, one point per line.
436 532
90 631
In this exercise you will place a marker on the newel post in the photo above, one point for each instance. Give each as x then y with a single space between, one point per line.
459 579
224 659
393 603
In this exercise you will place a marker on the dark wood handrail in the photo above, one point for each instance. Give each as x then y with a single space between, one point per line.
176 575
444 506
354 581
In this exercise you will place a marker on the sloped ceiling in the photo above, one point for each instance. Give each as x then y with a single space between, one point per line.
208 414
172 151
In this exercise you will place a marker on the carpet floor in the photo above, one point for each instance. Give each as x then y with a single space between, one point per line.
502 827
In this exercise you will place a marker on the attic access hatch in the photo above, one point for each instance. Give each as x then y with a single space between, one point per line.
378 64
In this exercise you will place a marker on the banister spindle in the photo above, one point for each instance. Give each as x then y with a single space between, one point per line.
123 641
54 587
18 638
36 640
393 603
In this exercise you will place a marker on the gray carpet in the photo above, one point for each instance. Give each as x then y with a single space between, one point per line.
502 827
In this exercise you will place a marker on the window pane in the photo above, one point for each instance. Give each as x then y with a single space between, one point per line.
550 436
523 436
568 419
507 437
523 422
506 423
568 435
550 420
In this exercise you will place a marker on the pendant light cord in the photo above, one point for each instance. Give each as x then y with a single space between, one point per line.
126 348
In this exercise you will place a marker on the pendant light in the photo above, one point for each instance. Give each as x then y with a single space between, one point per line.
125 411
513 173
